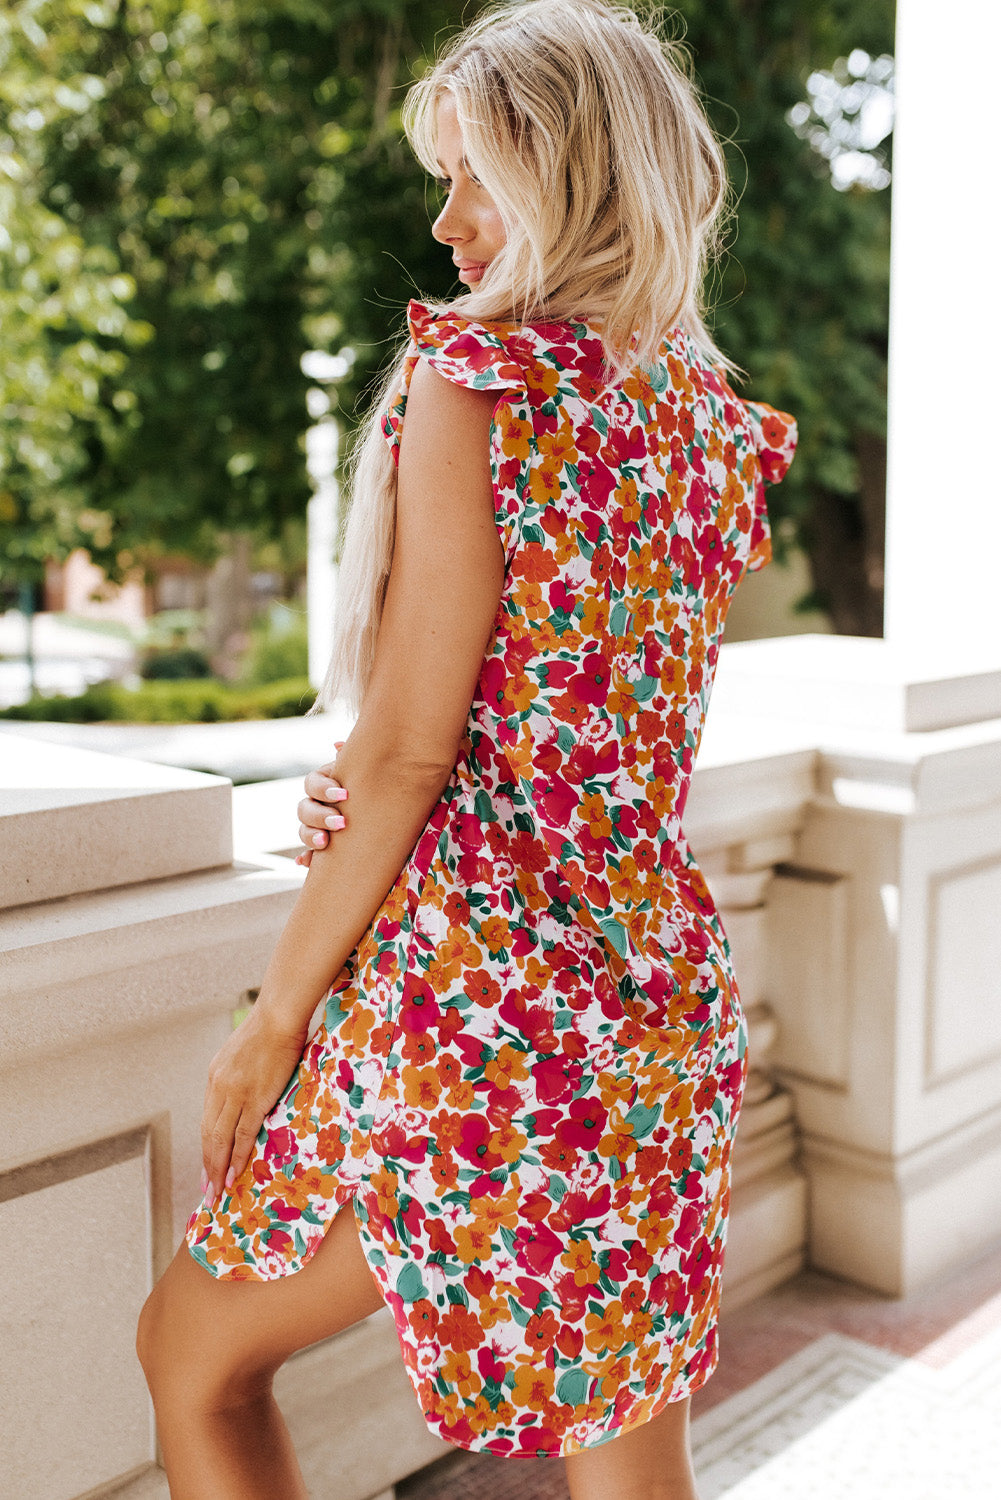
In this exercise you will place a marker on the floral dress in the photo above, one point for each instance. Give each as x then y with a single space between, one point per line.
527 1080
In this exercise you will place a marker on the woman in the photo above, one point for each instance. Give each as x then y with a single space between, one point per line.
526 1082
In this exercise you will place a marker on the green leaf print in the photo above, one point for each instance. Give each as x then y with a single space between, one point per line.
616 935
520 1314
457 1295
565 740
572 1387
642 1120
618 621
484 808
644 688
409 1285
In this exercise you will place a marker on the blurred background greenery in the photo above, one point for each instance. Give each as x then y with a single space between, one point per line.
194 196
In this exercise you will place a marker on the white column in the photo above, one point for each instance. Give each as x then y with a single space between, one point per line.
321 535
944 482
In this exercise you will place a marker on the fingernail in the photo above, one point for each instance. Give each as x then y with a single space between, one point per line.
230 1179
318 840
335 821
336 794
211 1195
205 1181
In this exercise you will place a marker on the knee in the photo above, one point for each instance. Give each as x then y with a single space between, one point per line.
190 1364
169 1357
148 1336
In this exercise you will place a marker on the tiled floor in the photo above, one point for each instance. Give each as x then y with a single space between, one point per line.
824 1390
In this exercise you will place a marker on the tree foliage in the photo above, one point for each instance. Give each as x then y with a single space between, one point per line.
201 190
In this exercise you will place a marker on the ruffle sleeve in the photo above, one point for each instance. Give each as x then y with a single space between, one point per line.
467 353
775 435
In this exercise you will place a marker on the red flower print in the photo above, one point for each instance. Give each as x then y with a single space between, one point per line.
281 1145
538 1248
530 1016
480 986
540 1334
490 1367
584 1126
423 1318
474 1143
555 1079
705 1093
569 1340
457 909
459 1329
419 1011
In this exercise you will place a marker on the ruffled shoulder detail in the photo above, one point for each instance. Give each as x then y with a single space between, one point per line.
470 354
775 437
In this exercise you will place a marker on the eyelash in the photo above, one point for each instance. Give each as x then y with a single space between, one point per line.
445 183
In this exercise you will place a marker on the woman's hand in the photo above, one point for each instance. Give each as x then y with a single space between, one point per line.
246 1077
319 811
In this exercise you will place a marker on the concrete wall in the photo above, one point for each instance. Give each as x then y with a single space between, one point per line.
848 815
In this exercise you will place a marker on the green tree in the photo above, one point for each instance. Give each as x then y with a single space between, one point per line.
228 165
233 175
66 331
803 294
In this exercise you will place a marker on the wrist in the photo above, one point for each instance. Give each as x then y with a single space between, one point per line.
279 1017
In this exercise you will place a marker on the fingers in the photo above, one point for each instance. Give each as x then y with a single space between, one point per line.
318 815
322 787
243 1144
217 1147
312 839
319 811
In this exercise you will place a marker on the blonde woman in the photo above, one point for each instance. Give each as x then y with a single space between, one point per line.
515 1121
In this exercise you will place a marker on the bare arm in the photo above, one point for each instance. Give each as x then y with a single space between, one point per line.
441 603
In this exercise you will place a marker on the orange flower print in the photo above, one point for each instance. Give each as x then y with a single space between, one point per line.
533 1387
529 1073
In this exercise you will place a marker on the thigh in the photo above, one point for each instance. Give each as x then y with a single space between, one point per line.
229 1328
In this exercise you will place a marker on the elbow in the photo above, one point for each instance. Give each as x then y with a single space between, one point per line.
411 769
424 776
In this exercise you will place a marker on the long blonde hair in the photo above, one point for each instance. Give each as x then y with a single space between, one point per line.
587 132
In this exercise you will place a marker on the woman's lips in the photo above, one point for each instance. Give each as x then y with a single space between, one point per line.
470 270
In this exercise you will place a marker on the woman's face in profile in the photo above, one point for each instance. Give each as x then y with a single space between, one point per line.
470 222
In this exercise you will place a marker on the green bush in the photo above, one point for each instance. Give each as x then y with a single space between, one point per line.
175 664
194 702
279 646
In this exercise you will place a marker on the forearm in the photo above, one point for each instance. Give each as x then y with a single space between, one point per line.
390 799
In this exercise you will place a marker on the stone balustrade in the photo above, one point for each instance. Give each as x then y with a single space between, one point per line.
858 869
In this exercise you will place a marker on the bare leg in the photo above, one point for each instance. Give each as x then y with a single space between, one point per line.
653 1462
210 1349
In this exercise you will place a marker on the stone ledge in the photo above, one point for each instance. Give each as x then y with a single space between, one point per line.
850 680
76 821
74 972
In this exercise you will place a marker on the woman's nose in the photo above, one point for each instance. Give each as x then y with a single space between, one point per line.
448 227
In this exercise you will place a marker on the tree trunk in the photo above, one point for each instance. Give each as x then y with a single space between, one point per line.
229 606
846 545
